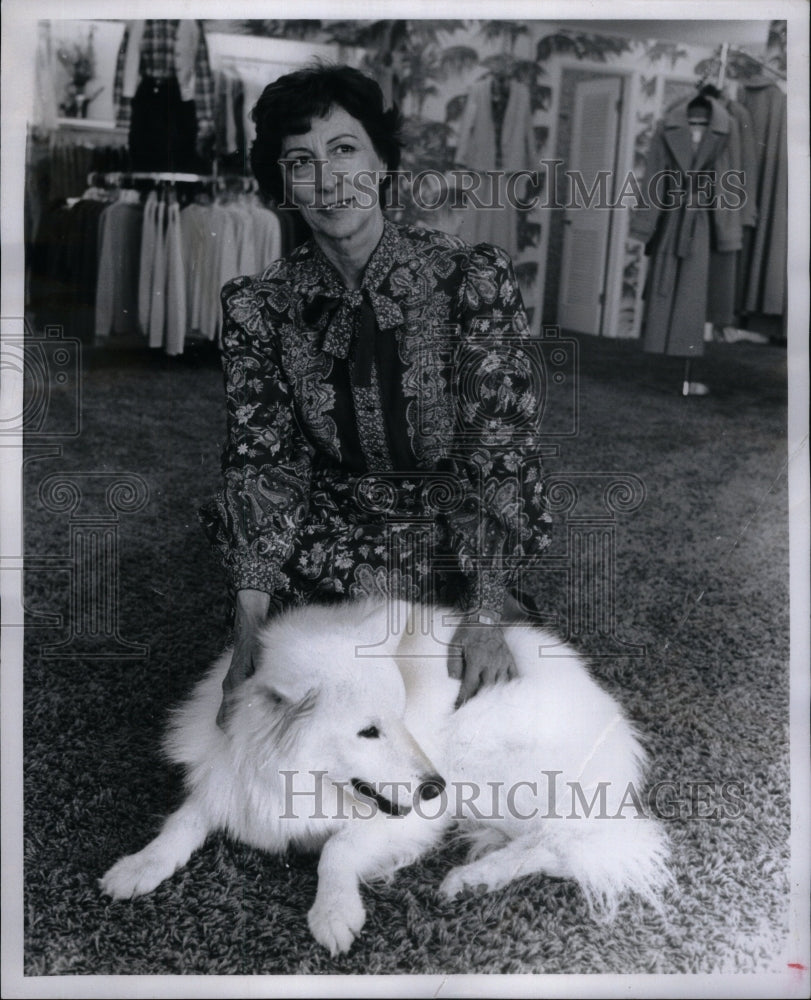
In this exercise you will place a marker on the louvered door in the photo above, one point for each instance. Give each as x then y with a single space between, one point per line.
595 123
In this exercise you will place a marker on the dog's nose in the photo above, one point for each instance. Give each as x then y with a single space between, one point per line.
433 785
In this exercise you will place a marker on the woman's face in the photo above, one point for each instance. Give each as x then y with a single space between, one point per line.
332 174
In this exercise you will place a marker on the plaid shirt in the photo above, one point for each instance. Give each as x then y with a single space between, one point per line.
158 61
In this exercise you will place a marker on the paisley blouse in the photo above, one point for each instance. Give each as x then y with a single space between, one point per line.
385 438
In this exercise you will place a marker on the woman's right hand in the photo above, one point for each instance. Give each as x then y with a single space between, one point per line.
250 614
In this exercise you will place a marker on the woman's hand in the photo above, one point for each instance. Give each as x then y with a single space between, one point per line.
481 657
251 613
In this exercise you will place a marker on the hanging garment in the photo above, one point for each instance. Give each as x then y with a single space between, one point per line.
65 267
253 78
679 240
176 317
748 160
164 89
160 270
162 50
120 230
229 121
198 251
163 129
723 291
72 160
268 232
37 179
245 223
723 263
502 148
44 112
764 260
208 236
219 242
224 265
71 163
148 236
157 300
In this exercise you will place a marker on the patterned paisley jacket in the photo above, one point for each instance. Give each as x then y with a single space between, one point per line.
415 399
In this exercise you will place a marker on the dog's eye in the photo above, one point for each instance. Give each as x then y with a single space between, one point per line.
370 733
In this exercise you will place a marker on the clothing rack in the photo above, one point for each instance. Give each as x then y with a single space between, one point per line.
723 54
177 256
123 179
233 61
760 62
726 50
120 178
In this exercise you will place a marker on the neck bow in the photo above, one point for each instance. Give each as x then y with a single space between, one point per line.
355 313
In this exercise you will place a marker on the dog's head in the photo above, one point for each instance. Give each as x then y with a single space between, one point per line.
327 696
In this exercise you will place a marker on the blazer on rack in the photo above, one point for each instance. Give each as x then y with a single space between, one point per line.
477 150
679 240
764 264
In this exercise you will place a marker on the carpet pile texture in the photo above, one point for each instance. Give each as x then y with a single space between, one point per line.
701 582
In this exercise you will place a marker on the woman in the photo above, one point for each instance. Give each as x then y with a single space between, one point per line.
383 404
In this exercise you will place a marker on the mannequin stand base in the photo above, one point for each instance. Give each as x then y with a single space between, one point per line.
689 388
732 335
694 389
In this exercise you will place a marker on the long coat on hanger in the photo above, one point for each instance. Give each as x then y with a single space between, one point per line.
765 263
679 240
722 289
477 150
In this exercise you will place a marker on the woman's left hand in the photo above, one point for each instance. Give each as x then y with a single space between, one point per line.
481 657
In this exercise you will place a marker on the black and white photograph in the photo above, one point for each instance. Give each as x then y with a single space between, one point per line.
405 537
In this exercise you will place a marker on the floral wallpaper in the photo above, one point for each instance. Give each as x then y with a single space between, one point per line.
428 67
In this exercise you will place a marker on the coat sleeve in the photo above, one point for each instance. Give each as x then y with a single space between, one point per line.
203 87
645 216
748 163
499 387
121 104
728 219
254 520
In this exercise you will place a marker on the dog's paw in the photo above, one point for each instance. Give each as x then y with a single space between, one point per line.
136 874
463 882
336 925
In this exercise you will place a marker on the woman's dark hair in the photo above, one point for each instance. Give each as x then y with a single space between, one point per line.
288 105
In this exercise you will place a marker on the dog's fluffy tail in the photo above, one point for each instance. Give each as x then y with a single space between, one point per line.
617 857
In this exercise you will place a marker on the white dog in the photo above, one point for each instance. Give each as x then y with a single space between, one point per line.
346 738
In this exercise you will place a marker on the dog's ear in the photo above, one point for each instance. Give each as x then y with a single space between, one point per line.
285 703
274 698
278 663
286 712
